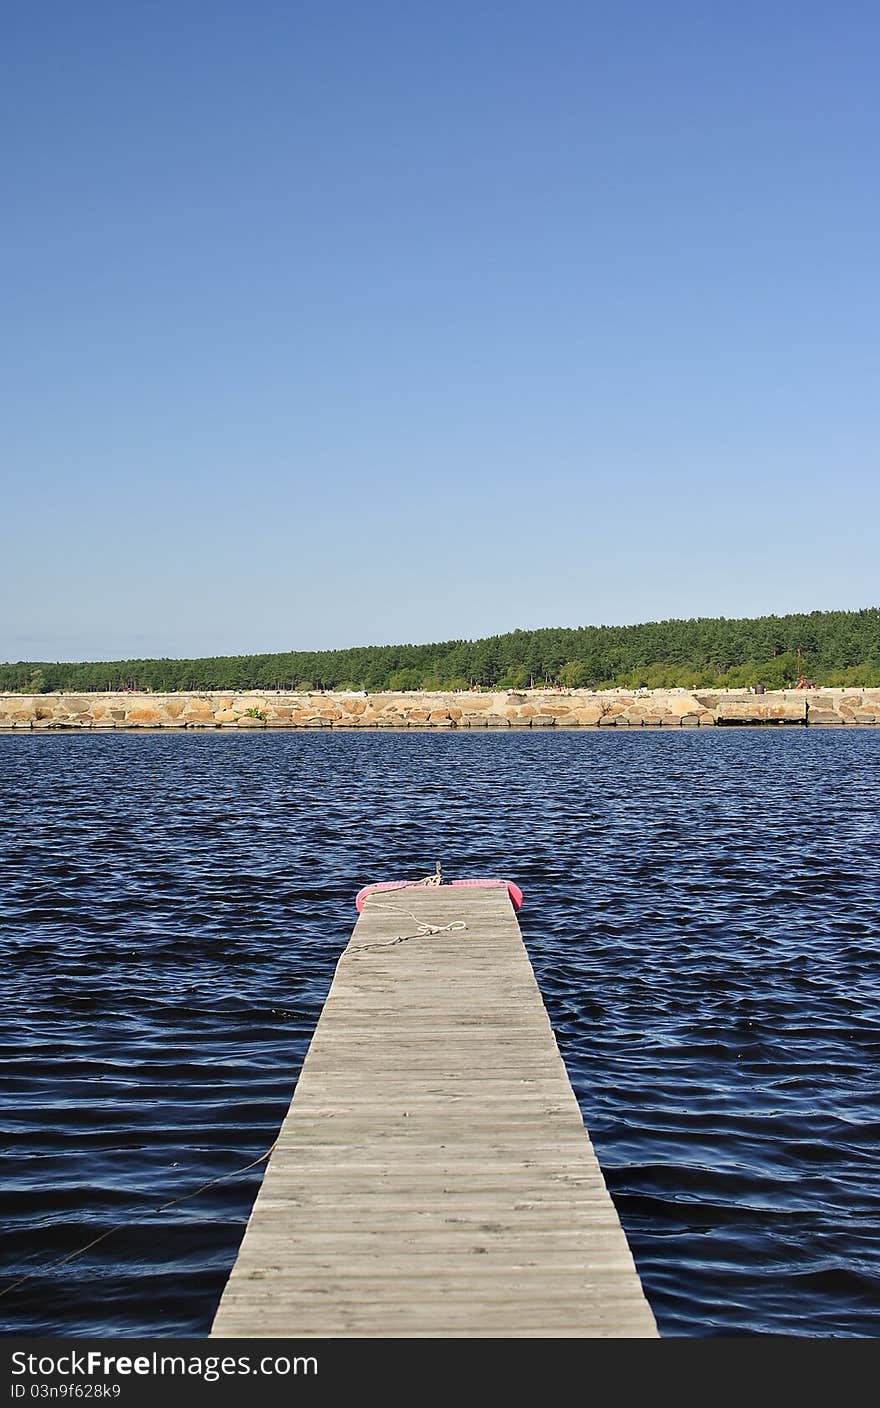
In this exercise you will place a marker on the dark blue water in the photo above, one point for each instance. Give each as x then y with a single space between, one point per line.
701 909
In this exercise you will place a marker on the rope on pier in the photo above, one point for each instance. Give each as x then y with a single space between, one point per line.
423 931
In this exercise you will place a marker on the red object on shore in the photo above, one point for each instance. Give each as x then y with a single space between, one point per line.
513 891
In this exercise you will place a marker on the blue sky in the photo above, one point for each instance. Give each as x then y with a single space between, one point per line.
337 323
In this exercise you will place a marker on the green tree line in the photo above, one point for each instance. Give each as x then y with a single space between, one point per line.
830 647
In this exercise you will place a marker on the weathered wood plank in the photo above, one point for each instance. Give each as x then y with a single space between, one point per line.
433 1177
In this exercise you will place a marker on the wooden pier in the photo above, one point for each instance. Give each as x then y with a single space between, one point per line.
433 1177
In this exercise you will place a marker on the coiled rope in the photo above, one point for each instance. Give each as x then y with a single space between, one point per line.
423 931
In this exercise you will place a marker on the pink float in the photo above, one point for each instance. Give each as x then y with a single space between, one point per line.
513 891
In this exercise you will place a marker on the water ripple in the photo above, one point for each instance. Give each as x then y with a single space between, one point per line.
701 912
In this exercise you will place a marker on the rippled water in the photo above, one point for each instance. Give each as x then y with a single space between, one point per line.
701 909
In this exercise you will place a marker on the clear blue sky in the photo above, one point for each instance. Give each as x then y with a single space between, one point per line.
329 323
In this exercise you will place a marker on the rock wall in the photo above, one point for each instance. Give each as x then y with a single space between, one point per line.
575 708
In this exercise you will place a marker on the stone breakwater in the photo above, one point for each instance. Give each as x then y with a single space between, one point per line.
500 709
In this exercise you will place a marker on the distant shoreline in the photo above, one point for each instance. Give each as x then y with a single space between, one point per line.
527 708
834 648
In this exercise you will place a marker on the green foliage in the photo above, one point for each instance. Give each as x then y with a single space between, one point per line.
255 713
36 684
831 647
574 674
404 679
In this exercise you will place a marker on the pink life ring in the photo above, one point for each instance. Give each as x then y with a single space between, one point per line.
515 893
